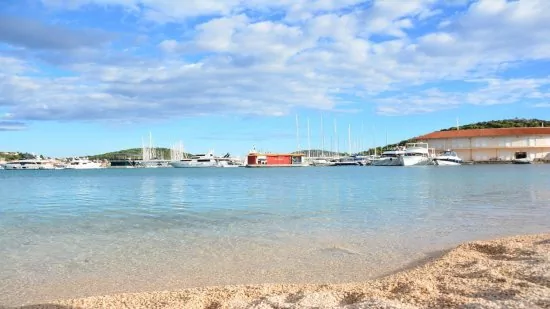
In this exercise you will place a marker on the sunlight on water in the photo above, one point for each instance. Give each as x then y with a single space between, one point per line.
76 233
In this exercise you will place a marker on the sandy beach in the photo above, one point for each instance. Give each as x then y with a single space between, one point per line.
511 272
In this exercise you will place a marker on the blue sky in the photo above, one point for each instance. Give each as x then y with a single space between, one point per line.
81 77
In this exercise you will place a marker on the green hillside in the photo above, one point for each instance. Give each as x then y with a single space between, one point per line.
10 156
132 153
506 123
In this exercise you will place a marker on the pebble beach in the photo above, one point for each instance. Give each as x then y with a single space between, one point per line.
512 272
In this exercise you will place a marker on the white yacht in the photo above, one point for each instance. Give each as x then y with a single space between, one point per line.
388 158
229 162
322 162
82 164
200 160
447 158
29 164
416 154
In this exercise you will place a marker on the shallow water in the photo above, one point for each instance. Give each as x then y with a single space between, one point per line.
76 233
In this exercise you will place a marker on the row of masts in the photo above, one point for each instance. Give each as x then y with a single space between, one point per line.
353 146
150 153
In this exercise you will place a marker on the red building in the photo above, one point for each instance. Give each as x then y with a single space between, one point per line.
255 159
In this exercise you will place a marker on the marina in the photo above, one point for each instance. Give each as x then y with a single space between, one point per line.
446 147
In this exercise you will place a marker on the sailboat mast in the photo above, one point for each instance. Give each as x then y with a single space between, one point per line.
322 138
374 139
361 145
308 140
349 139
297 133
336 146
142 149
386 137
150 146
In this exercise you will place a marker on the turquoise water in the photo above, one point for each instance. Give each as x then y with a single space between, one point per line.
74 233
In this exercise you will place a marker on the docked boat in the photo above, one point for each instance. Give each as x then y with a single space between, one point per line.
29 164
256 159
416 154
447 158
229 162
82 164
322 162
347 161
200 160
522 161
388 158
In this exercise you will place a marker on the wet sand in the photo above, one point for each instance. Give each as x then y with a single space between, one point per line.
511 272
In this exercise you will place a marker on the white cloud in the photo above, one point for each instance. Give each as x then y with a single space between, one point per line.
318 55
489 92
169 46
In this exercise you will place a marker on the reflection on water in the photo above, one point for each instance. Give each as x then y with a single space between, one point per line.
149 229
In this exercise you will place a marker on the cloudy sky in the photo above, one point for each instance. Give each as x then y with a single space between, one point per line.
87 76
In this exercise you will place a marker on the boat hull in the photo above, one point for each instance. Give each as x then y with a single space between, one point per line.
89 166
521 161
443 162
9 166
414 161
385 162
193 164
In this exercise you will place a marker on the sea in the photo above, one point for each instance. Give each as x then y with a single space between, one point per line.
78 233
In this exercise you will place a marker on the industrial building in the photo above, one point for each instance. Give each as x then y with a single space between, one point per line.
504 144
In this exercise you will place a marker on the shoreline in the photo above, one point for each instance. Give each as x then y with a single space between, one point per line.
507 272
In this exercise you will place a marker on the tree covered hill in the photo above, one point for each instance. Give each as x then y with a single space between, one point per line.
132 153
506 123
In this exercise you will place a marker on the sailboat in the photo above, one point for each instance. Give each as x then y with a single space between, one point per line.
149 157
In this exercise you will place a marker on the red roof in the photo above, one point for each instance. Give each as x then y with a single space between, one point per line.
486 132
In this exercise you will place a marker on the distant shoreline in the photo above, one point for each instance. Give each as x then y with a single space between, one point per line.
507 272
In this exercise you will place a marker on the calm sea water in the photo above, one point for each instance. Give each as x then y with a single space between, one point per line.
75 233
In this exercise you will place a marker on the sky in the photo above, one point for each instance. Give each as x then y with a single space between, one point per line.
82 77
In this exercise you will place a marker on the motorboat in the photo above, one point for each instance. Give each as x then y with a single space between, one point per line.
346 161
29 164
388 158
448 157
229 162
200 160
416 154
82 164
522 161
321 162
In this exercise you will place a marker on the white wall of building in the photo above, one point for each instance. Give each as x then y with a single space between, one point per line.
495 148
